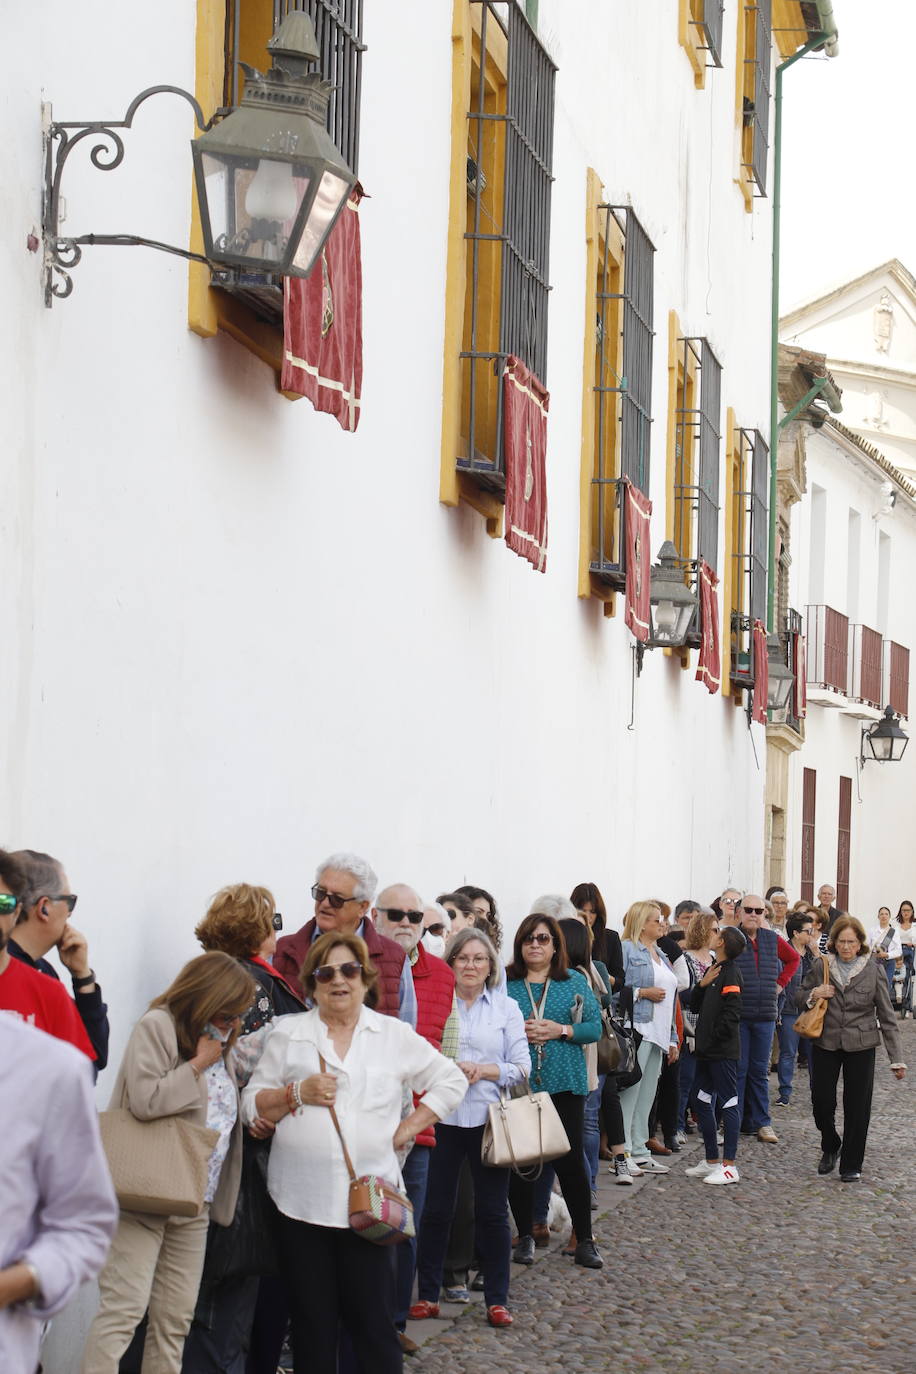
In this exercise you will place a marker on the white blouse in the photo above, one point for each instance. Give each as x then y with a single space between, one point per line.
307 1177
876 935
659 1029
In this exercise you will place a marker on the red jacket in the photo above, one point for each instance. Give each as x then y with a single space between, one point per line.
434 984
386 955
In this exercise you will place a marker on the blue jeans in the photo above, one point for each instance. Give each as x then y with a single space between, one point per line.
591 1131
491 1214
717 1091
753 1073
789 1044
415 1173
687 1068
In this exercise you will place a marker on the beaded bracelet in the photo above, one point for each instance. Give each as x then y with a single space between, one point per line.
290 1100
297 1094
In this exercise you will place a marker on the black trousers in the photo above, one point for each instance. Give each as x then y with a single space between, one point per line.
663 1118
611 1113
454 1146
858 1067
337 1278
571 1175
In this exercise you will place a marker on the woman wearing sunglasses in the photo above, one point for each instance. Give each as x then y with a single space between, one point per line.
561 1016
344 1056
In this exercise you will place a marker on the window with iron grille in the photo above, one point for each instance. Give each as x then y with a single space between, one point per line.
757 61
706 16
749 552
696 452
509 181
624 299
793 628
338 31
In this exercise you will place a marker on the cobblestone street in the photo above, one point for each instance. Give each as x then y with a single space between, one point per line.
785 1271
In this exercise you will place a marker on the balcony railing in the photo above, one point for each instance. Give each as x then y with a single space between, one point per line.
828 649
896 677
865 670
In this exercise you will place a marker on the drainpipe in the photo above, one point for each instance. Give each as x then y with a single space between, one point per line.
817 41
828 26
531 11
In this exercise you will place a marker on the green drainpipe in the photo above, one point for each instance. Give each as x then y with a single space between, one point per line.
531 11
816 42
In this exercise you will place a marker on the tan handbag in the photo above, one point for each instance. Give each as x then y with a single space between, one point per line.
157 1166
810 1023
523 1133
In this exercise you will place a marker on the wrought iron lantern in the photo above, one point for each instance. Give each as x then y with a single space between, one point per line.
270 181
885 741
780 680
672 604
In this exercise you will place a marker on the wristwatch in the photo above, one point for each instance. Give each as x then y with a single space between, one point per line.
84 982
566 1032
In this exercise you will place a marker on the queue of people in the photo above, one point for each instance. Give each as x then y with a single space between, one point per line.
360 1056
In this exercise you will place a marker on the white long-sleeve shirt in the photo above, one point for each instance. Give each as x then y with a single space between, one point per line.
57 1207
307 1177
876 935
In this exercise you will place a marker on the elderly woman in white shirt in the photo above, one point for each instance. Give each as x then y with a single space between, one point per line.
334 1275
493 1053
884 939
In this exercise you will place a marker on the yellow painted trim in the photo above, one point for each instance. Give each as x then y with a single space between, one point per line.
725 633
456 256
790 32
203 317
743 180
674 333
688 36
593 195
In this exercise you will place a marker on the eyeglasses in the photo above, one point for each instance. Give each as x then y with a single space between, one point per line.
68 897
437 929
754 910
350 970
477 960
333 899
728 901
395 914
277 921
538 937
8 903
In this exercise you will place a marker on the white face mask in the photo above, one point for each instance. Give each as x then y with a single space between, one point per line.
435 944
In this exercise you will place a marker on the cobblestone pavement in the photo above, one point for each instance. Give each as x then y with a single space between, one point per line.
786 1271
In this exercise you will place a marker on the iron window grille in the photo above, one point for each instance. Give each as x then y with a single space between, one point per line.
750 553
524 146
696 461
632 419
757 106
794 627
338 32
707 16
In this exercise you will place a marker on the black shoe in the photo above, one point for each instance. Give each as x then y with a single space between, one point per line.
477 1285
850 1176
827 1162
524 1251
672 1142
587 1255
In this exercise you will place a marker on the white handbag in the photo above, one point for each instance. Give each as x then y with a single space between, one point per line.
523 1133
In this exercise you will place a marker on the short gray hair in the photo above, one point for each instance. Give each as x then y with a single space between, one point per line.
554 904
43 876
366 881
464 937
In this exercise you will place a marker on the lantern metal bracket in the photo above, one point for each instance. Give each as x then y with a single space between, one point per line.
61 252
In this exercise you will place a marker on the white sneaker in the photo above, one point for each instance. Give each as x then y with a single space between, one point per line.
723 1173
702 1169
621 1173
681 1137
633 1168
652 1166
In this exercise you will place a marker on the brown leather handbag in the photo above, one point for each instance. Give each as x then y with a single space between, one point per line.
810 1023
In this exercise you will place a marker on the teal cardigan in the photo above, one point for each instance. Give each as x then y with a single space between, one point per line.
562 1068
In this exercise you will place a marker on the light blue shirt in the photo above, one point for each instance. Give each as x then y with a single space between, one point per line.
490 1031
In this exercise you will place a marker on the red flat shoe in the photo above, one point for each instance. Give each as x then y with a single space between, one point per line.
499 1316
421 1310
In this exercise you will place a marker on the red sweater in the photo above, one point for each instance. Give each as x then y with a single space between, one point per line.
386 955
434 984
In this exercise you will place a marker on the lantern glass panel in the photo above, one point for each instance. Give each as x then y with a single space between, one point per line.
253 206
331 193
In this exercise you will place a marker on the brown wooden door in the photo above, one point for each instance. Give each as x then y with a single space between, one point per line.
809 793
844 829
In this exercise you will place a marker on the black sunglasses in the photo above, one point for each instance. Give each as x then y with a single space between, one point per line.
277 921
754 910
68 897
437 929
334 899
538 937
350 970
396 914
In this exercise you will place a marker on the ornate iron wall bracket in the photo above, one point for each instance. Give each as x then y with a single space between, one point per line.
63 253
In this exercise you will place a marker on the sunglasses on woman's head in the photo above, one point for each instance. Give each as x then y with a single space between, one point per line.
351 969
538 937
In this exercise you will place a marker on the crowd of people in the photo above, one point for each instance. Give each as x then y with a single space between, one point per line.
366 1051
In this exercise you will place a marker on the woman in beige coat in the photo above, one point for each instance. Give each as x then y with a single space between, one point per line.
176 1064
858 1002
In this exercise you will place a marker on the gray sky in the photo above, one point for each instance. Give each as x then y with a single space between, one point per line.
849 191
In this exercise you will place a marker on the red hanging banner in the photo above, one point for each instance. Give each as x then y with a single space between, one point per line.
800 685
525 405
761 675
323 324
709 665
637 509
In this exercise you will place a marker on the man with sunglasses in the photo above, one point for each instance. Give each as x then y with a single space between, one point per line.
762 979
344 888
398 913
25 992
44 924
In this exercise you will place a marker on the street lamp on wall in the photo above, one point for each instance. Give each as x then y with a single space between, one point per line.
779 680
884 742
672 603
270 180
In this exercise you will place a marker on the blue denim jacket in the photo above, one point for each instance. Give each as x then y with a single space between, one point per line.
638 972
